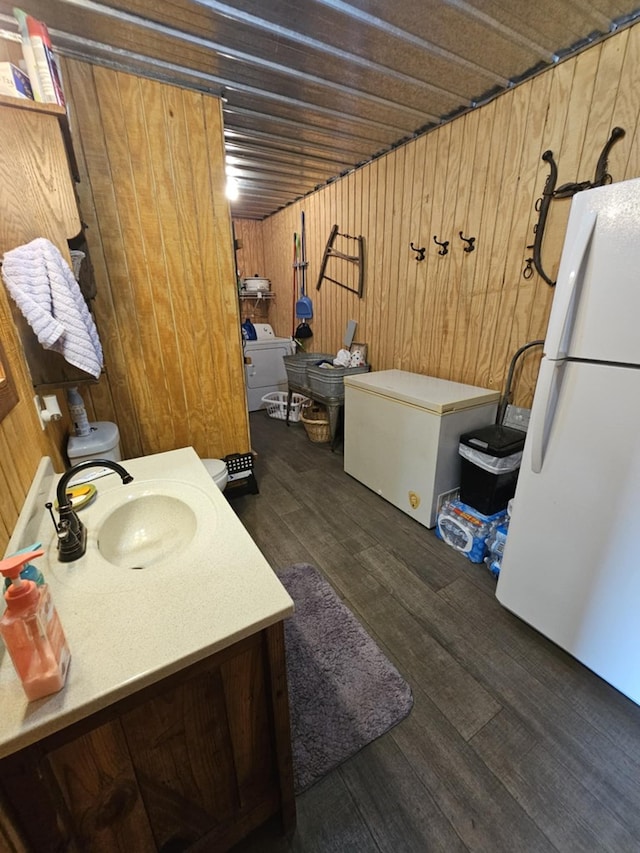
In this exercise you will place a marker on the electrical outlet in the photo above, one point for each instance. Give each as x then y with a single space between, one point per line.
517 418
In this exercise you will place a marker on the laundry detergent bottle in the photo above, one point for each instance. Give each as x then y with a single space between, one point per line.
31 630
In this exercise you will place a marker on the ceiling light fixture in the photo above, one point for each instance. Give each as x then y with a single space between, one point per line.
232 191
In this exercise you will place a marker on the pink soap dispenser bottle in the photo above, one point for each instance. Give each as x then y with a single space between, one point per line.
32 633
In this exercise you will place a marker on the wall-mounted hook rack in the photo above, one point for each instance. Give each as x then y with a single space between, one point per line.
420 252
445 246
470 242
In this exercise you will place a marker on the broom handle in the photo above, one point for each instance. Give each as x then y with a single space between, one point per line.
302 259
295 290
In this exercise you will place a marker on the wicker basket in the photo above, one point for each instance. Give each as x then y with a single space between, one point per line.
316 423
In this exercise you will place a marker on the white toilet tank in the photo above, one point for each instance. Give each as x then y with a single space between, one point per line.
103 442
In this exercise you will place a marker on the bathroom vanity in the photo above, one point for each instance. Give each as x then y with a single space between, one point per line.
172 731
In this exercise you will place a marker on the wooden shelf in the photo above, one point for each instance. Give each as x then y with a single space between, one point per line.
48 109
258 296
34 106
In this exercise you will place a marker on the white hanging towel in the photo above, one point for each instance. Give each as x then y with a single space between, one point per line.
45 290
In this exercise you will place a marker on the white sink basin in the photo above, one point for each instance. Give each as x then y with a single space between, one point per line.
146 530
148 524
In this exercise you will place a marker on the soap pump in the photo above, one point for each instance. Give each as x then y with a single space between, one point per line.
31 630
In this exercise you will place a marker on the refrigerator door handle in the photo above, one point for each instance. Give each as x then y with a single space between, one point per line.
546 400
558 333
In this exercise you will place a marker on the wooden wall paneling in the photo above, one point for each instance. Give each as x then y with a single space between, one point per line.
408 282
323 296
540 135
361 215
383 246
422 309
602 109
335 268
393 242
120 230
292 278
374 260
338 269
279 243
145 199
468 318
251 256
438 264
27 212
286 264
95 191
343 269
459 175
362 199
219 366
513 316
494 124
314 211
232 415
353 304
320 297
281 285
569 155
165 233
405 214
363 331
538 293
12 492
345 194
477 157
98 397
507 187
571 97
189 378
627 108
350 302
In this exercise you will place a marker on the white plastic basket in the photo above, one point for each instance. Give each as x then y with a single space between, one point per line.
276 403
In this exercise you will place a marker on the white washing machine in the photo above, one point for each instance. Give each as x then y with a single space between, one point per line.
264 367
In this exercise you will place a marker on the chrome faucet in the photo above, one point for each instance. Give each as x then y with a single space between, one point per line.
72 534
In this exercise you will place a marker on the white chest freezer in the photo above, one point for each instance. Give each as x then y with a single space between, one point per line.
402 431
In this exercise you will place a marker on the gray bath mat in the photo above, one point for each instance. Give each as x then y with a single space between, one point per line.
343 691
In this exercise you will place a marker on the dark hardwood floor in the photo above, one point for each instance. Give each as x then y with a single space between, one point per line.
511 745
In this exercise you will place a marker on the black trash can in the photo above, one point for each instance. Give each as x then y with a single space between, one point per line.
489 467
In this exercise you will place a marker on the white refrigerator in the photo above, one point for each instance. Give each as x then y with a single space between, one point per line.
571 566
402 431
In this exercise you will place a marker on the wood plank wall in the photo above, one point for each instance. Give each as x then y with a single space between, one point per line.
159 233
461 316
152 192
32 156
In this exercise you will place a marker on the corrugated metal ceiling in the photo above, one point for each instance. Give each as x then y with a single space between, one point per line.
312 88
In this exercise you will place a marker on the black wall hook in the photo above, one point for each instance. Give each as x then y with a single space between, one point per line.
470 241
420 252
445 246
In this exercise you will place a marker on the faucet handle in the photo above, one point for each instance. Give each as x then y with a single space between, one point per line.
56 526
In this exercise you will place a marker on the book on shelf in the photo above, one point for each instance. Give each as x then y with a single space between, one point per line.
40 61
14 82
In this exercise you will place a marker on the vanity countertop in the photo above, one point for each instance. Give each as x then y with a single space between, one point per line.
128 628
